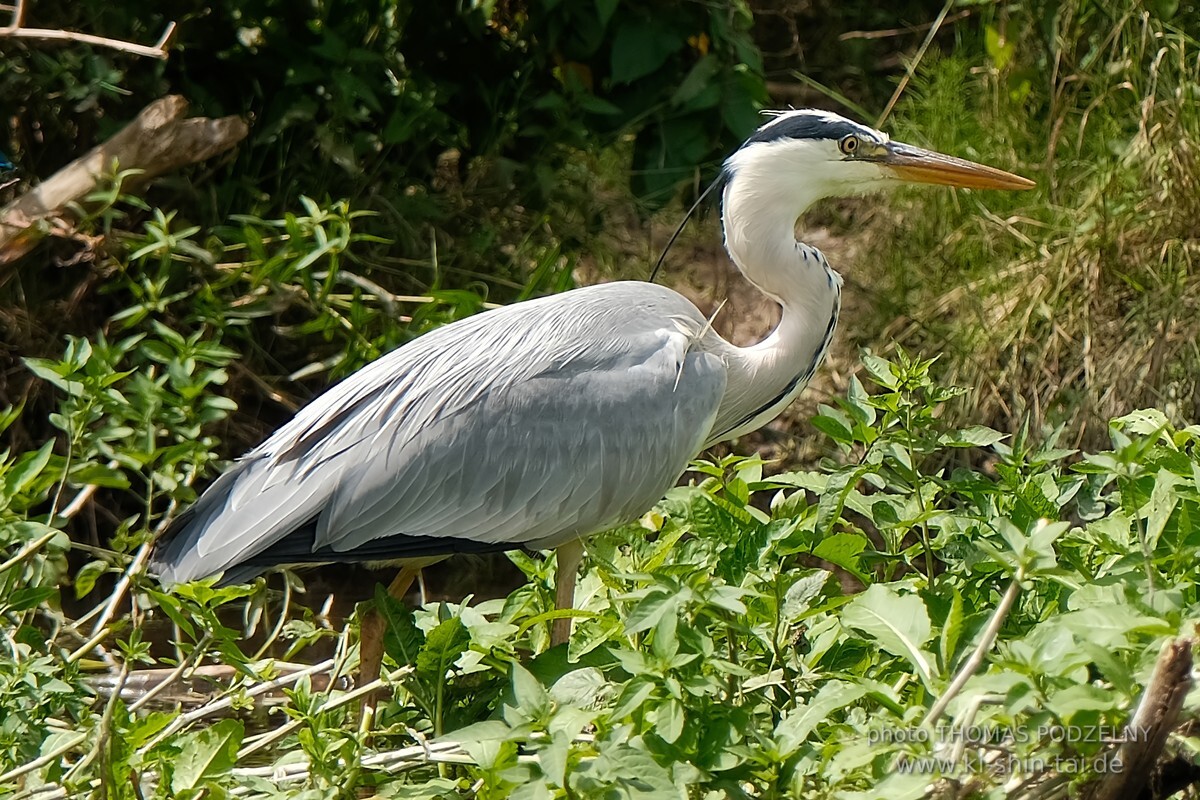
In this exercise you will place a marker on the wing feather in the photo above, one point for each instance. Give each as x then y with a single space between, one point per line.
532 424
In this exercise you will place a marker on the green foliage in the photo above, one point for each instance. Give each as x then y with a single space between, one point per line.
787 636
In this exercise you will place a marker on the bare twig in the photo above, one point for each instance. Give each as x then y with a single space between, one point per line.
29 549
41 761
349 697
183 720
16 29
174 675
890 32
912 67
122 586
976 659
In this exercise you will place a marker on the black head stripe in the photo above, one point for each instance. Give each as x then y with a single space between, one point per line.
806 126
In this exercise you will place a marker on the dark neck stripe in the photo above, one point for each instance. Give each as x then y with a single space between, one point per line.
803 377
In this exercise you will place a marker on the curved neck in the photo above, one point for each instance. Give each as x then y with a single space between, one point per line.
760 237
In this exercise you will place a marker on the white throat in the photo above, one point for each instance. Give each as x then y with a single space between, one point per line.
759 213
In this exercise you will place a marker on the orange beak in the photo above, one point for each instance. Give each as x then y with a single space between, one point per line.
915 165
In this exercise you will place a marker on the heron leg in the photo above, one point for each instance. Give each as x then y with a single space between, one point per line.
568 556
371 633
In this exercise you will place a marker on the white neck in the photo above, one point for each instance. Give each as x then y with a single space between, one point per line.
760 237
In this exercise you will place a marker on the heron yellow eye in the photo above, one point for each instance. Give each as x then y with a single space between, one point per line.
849 144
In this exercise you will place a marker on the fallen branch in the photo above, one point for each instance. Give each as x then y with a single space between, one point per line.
159 140
1156 716
16 30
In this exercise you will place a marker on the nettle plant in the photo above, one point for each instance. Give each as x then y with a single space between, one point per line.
932 605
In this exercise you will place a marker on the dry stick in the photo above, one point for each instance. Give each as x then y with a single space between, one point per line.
16 28
157 50
184 720
279 623
79 501
388 761
157 141
122 586
42 761
349 697
104 734
175 675
985 644
28 550
912 68
1155 718
890 32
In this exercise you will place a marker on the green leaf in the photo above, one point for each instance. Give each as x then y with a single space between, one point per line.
974 436
842 550
443 645
85 579
697 80
797 725
26 468
640 48
799 596
1163 500
403 639
833 428
207 754
899 623
669 719
635 693
530 696
951 630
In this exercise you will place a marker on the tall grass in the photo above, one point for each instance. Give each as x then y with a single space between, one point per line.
1076 302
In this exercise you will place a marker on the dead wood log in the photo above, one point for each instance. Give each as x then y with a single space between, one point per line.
159 140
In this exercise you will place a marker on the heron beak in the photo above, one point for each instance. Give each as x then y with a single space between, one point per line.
914 165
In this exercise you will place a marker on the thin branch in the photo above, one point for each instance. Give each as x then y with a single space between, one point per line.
122 586
16 30
890 32
183 720
912 67
976 659
28 550
348 697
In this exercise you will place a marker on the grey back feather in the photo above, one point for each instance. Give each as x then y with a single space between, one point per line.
531 425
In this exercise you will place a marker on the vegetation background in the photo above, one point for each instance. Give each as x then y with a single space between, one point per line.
409 164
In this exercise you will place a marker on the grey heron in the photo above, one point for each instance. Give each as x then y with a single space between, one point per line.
539 423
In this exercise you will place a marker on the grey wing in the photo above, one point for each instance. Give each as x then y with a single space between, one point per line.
532 427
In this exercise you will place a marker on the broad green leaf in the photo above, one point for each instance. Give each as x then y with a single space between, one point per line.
402 639
842 549
799 596
26 468
443 645
669 719
528 693
799 723
1163 500
974 436
640 47
207 754
898 622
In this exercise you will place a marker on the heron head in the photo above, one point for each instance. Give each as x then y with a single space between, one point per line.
814 154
